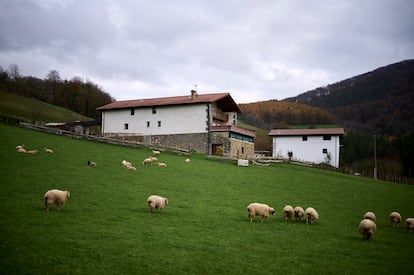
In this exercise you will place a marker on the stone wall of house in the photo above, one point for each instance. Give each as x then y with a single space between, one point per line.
193 142
241 149
221 139
233 148
222 145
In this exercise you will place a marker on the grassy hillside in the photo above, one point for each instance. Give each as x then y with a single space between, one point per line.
33 110
105 228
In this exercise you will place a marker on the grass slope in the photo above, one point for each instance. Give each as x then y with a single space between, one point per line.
105 228
30 109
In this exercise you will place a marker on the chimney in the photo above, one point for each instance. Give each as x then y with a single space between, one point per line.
193 94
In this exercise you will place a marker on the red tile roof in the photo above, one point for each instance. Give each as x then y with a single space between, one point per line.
306 132
223 99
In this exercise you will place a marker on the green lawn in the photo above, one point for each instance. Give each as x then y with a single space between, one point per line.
30 109
105 228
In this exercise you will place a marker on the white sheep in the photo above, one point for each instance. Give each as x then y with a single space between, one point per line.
161 164
48 150
147 161
155 202
299 212
311 215
288 212
395 218
55 196
131 168
409 222
259 209
187 160
370 216
91 163
31 152
20 150
156 153
20 147
367 228
126 163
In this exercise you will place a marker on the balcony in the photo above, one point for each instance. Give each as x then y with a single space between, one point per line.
220 116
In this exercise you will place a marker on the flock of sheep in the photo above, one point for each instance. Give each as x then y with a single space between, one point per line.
264 211
368 228
148 161
21 149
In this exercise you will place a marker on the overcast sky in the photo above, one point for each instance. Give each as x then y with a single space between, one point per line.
255 50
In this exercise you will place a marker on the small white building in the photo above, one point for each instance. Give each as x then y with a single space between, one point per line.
200 122
308 145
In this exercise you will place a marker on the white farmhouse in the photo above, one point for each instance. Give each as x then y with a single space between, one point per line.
309 145
199 122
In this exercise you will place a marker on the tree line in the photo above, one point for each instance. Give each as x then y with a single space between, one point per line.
79 95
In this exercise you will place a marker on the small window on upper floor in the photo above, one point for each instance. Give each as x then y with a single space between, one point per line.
125 126
304 138
159 123
154 110
325 151
132 111
148 124
326 137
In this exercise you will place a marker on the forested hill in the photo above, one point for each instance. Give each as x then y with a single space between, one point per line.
380 101
77 95
282 114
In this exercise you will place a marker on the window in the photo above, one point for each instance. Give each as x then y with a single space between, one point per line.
132 111
126 126
304 138
325 151
154 110
159 123
148 124
326 137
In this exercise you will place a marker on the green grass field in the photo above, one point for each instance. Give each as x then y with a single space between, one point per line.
105 228
30 109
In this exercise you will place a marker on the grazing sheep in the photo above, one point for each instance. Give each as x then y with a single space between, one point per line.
156 153
55 196
367 228
311 215
259 209
131 168
187 160
409 222
91 163
288 212
20 150
299 213
153 158
19 146
161 164
148 161
370 216
126 163
31 152
395 218
155 202
48 150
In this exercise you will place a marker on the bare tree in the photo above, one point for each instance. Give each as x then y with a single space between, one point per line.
14 72
53 76
52 80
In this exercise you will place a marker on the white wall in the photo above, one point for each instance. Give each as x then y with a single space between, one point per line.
310 150
183 119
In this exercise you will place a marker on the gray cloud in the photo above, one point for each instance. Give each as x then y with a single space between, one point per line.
256 50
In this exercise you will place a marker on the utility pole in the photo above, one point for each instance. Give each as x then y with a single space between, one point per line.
375 158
